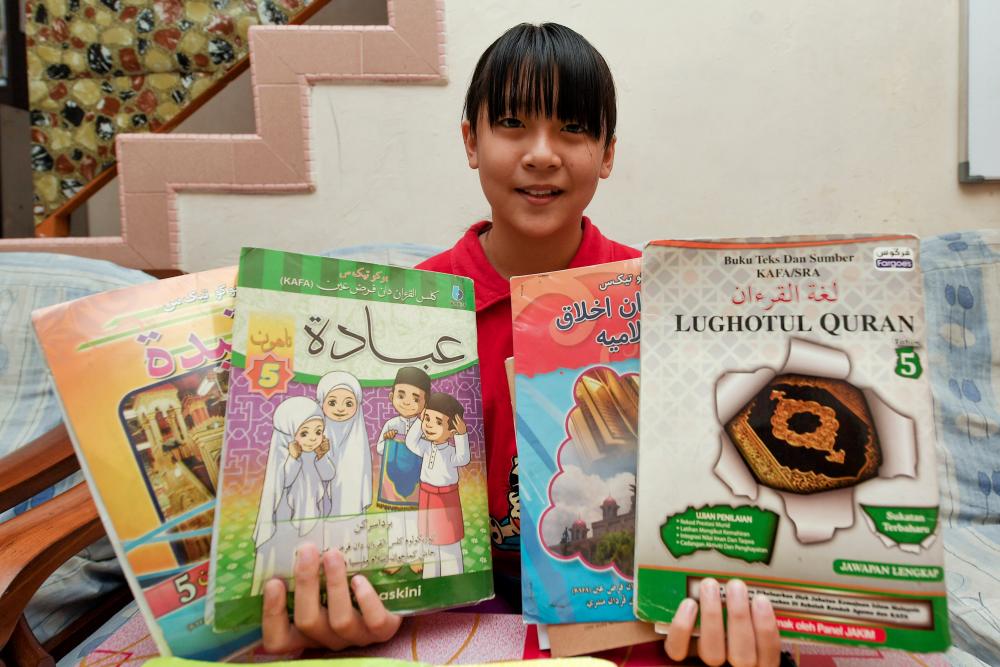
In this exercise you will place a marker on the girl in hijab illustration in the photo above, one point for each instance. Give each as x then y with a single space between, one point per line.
339 395
299 469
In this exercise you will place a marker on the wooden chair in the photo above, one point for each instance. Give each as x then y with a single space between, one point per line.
35 543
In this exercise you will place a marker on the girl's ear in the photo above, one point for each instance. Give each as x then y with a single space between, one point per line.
608 160
471 147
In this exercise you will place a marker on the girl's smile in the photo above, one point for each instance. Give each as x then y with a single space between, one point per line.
538 173
540 195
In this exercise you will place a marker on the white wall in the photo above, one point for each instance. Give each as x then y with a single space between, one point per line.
736 118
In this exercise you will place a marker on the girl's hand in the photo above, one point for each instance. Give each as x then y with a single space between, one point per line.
751 639
336 626
459 423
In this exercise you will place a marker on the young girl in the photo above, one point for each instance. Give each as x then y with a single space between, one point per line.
539 127
298 470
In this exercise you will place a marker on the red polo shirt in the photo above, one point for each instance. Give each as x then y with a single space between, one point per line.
495 333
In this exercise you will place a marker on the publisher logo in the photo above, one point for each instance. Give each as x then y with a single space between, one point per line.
894 259
457 294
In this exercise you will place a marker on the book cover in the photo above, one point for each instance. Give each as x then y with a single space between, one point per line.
788 436
354 423
576 363
142 375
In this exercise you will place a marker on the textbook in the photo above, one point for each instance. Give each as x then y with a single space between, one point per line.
576 365
354 423
787 436
142 375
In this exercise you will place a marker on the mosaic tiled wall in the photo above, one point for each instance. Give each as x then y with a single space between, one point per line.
97 68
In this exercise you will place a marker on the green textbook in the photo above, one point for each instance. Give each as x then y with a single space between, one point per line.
354 423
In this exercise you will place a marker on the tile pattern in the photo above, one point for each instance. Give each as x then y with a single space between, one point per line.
100 68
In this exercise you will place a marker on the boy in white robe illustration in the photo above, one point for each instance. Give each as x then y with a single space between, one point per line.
442 441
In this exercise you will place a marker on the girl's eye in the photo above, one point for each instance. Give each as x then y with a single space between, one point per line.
574 128
510 123
349 403
332 402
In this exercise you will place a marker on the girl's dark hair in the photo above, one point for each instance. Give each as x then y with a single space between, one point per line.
545 70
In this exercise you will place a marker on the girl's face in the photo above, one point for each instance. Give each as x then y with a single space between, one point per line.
340 404
310 434
538 173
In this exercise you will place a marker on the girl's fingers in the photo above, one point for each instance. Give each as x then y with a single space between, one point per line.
679 636
712 642
279 635
741 646
344 620
336 627
308 615
765 627
381 624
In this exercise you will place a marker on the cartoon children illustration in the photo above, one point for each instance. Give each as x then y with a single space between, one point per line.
340 397
441 523
400 475
299 468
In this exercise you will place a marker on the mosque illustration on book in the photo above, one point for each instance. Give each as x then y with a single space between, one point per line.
176 431
611 538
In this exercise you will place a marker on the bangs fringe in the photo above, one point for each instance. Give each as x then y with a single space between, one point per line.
546 70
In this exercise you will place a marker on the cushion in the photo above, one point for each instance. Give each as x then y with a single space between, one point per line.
28 408
962 295
973 593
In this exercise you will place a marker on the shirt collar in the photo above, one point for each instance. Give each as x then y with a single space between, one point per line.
490 286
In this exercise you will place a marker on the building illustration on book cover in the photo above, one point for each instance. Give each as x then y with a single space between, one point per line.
799 451
149 437
355 424
576 336
598 544
175 428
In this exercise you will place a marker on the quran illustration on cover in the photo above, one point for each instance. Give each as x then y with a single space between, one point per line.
355 424
576 363
149 437
797 448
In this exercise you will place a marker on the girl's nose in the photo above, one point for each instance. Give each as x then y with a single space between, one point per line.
542 153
